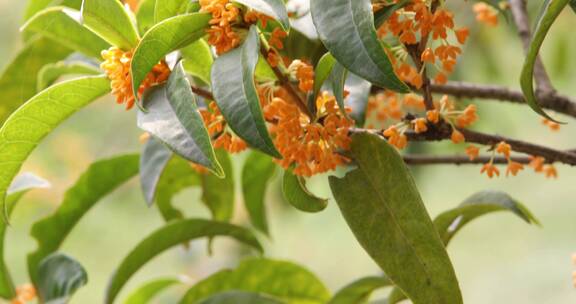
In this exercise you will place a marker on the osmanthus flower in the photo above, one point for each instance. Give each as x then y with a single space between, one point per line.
116 64
24 294
472 152
221 136
490 169
486 14
304 73
221 34
552 125
309 146
396 137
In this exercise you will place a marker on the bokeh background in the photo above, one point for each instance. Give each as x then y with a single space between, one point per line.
498 259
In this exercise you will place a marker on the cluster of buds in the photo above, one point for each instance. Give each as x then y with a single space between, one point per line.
24 294
221 34
116 64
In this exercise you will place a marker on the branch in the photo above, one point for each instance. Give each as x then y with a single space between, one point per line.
520 15
417 160
203 93
558 103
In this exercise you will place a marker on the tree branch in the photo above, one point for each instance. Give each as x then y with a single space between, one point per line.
417 160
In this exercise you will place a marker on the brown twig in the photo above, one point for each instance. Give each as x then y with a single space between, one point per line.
203 93
459 160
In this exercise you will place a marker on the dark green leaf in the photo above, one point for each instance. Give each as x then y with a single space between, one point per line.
167 36
283 280
382 206
59 276
16 85
346 27
359 291
550 11
109 19
235 93
573 5
197 60
22 184
218 193
240 297
171 235
39 116
155 156
145 15
479 204
170 8
177 176
322 72
51 72
296 193
257 172
337 78
99 180
272 8
174 119
146 293
61 25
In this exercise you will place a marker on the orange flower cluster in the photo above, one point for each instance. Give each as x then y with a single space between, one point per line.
486 14
304 72
458 119
390 105
221 137
117 67
224 14
310 147
539 165
25 293
513 167
552 125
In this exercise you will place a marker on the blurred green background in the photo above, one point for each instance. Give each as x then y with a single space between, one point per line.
498 259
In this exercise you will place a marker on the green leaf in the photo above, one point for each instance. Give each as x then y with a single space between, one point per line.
21 185
257 172
322 72
337 78
283 280
51 72
383 14
240 297
16 85
177 176
296 193
167 36
235 93
99 180
155 156
174 119
170 8
217 192
550 11
145 15
359 291
573 5
24 130
346 27
479 204
146 293
388 217
61 25
197 60
109 19
358 98
272 8
171 235
59 276
34 6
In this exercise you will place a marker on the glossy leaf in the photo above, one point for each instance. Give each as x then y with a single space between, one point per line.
146 293
34 6
177 176
235 93
272 8
109 19
21 185
169 8
296 193
167 36
388 217
346 27
283 280
550 11
59 276
197 60
359 291
173 118
155 157
479 204
322 72
145 15
99 180
61 25
16 85
171 235
51 72
217 192
256 174
24 130
337 79
240 297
